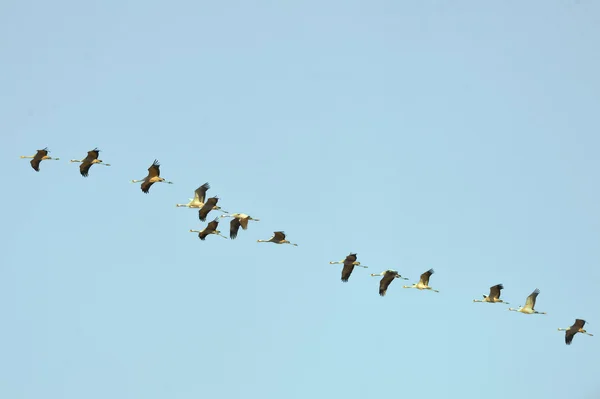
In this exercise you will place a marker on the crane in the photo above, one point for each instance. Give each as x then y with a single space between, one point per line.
211 228
278 238
423 283
210 205
577 327
349 264
238 219
87 162
494 295
199 197
41 155
388 276
153 177
529 307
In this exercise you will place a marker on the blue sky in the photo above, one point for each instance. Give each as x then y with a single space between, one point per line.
461 137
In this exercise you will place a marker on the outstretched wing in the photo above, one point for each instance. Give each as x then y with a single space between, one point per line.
579 323
569 334
37 158
279 236
234 226
495 291
88 161
93 154
347 271
350 258
154 169
530 303
204 211
212 226
385 283
200 193
425 276
146 186
84 168
41 153
212 201
243 222
35 164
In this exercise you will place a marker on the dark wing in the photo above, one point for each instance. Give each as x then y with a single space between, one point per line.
146 186
154 169
347 271
203 234
569 334
35 164
425 276
93 154
200 192
206 208
212 201
212 226
234 226
243 223
385 282
279 236
579 323
531 298
41 153
37 158
350 258
84 168
495 291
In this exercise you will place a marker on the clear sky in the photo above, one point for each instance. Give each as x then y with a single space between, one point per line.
460 136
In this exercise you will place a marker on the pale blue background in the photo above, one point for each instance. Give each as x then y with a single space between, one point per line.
458 135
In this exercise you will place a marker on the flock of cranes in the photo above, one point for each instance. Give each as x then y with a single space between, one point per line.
205 206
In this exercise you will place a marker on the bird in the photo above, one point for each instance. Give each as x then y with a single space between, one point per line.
388 276
494 295
278 238
199 197
349 264
41 155
529 307
574 329
210 205
87 162
211 228
153 177
238 219
423 283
